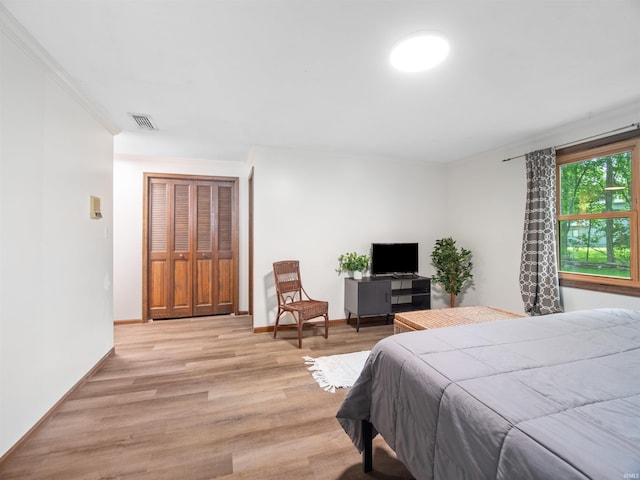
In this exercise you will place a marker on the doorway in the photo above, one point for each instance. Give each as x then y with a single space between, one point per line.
190 243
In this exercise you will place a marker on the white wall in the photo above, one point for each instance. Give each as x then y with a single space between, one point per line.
128 186
337 203
313 207
486 211
56 318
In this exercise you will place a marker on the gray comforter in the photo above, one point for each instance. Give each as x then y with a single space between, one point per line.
553 397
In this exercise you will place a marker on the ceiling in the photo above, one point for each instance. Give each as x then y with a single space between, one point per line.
218 77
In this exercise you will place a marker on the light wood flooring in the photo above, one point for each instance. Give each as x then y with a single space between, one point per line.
205 398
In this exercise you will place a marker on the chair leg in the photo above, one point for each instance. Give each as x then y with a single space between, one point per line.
300 323
326 325
275 327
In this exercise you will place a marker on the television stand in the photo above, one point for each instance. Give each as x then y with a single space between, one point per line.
404 275
375 296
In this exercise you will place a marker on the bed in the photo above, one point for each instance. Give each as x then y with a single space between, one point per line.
552 397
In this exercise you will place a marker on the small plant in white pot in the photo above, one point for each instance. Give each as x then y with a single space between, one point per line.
353 263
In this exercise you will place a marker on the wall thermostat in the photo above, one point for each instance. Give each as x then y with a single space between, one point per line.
94 207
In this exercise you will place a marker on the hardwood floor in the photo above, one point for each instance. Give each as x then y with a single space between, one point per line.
205 398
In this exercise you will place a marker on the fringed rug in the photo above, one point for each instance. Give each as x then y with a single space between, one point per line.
337 371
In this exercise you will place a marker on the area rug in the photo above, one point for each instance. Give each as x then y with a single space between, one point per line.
337 371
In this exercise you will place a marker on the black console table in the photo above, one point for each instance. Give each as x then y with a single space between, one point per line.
385 295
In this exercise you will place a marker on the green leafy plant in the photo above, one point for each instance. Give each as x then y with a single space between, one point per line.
453 267
352 262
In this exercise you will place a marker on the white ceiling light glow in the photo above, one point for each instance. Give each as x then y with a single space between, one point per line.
419 52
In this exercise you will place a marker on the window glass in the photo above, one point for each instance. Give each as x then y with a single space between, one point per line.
597 185
595 246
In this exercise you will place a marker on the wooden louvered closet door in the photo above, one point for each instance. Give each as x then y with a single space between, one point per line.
191 247
214 249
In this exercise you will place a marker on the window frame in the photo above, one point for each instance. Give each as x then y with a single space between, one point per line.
628 141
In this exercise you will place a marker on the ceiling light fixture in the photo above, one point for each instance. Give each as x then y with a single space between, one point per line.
419 52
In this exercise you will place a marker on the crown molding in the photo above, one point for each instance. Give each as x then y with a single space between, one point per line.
10 26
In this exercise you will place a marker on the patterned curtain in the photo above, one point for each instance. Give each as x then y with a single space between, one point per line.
539 270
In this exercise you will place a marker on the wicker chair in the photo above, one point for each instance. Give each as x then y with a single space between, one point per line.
293 298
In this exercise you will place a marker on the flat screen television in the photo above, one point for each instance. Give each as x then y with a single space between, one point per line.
394 258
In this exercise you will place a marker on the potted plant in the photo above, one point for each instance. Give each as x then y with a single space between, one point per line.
353 263
453 267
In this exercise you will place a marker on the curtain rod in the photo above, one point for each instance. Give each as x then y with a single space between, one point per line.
592 137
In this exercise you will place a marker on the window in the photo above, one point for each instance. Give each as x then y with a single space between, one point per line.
598 215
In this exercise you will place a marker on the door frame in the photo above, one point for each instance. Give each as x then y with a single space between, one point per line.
145 231
251 197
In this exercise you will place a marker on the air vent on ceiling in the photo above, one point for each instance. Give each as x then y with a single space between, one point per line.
143 121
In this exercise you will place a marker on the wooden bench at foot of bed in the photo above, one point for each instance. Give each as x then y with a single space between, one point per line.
448 317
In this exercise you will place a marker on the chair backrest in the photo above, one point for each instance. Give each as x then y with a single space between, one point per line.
287 278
